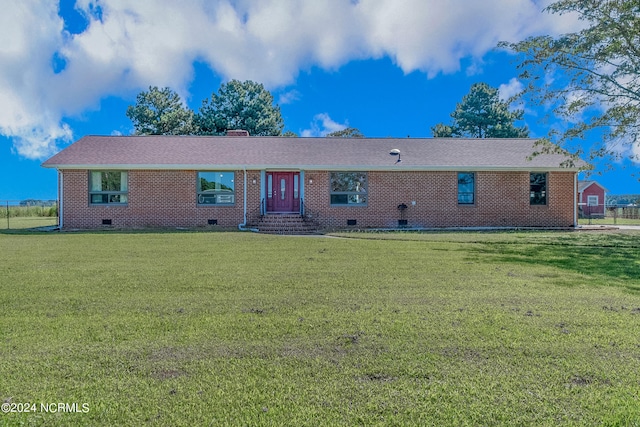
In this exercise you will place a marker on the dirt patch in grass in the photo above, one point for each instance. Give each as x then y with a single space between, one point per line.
378 377
167 374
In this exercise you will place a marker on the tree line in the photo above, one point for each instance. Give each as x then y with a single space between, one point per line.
249 106
237 105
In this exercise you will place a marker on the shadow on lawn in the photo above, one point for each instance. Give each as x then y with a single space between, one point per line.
621 263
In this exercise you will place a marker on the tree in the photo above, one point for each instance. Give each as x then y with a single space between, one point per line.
160 112
240 105
346 133
589 79
481 114
442 131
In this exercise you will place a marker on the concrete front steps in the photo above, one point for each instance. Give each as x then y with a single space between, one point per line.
285 224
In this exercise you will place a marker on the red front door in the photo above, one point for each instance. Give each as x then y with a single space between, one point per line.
283 191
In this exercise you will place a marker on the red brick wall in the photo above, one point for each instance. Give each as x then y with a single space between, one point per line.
501 200
155 199
168 199
253 196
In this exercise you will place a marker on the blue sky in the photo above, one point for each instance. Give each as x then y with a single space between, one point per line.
388 67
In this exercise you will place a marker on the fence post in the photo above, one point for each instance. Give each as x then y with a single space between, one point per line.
8 215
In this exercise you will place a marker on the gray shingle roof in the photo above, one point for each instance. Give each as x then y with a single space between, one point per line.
201 152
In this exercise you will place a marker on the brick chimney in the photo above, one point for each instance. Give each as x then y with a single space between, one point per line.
237 132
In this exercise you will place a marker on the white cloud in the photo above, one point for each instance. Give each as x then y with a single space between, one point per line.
26 53
322 125
289 97
132 44
625 147
41 141
510 89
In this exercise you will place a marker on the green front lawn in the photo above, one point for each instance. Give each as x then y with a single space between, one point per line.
203 328
18 223
609 221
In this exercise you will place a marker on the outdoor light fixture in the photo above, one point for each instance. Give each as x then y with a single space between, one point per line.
395 152
310 180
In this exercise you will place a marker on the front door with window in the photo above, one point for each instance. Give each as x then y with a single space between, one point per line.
283 191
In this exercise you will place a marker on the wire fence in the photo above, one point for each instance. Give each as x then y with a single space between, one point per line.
609 214
21 214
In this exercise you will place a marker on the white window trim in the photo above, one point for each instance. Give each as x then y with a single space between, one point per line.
364 193
123 193
228 197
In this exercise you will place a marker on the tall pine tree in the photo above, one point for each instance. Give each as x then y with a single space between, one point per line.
481 114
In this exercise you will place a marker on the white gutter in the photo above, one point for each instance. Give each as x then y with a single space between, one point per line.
242 226
60 198
575 200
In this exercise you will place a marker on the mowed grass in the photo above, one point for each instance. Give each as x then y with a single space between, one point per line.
609 221
188 328
18 223
21 217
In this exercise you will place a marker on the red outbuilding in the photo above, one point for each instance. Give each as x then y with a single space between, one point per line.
591 199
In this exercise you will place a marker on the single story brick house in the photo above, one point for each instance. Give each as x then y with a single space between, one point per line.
591 199
266 182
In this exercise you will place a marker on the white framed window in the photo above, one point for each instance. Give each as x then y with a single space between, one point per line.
216 188
348 188
108 187
592 201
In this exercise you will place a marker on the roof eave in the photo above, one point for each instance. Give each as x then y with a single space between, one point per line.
387 168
